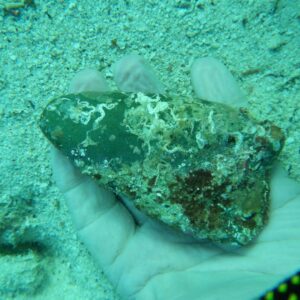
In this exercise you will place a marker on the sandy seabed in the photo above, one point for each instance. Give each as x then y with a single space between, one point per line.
44 44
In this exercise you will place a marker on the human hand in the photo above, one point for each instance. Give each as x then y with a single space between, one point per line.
146 260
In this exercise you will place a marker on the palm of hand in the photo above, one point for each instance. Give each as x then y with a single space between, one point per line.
149 261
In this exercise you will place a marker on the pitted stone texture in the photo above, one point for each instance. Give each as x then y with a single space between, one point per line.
198 166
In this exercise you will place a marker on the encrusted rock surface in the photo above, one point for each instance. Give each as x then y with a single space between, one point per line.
200 167
21 274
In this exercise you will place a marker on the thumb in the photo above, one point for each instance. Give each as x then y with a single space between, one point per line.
103 224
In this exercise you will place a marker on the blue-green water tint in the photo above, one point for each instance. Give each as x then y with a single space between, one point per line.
44 44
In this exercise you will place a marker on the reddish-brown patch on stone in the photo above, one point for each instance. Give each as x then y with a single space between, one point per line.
197 179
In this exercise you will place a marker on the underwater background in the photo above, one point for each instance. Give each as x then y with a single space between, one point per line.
44 43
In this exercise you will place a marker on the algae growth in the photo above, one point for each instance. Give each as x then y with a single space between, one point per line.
198 166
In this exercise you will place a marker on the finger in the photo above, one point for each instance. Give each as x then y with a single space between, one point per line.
139 217
212 81
88 80
64 173
133 74
282 187
103 224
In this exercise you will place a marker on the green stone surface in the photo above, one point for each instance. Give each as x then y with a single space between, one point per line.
198 166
